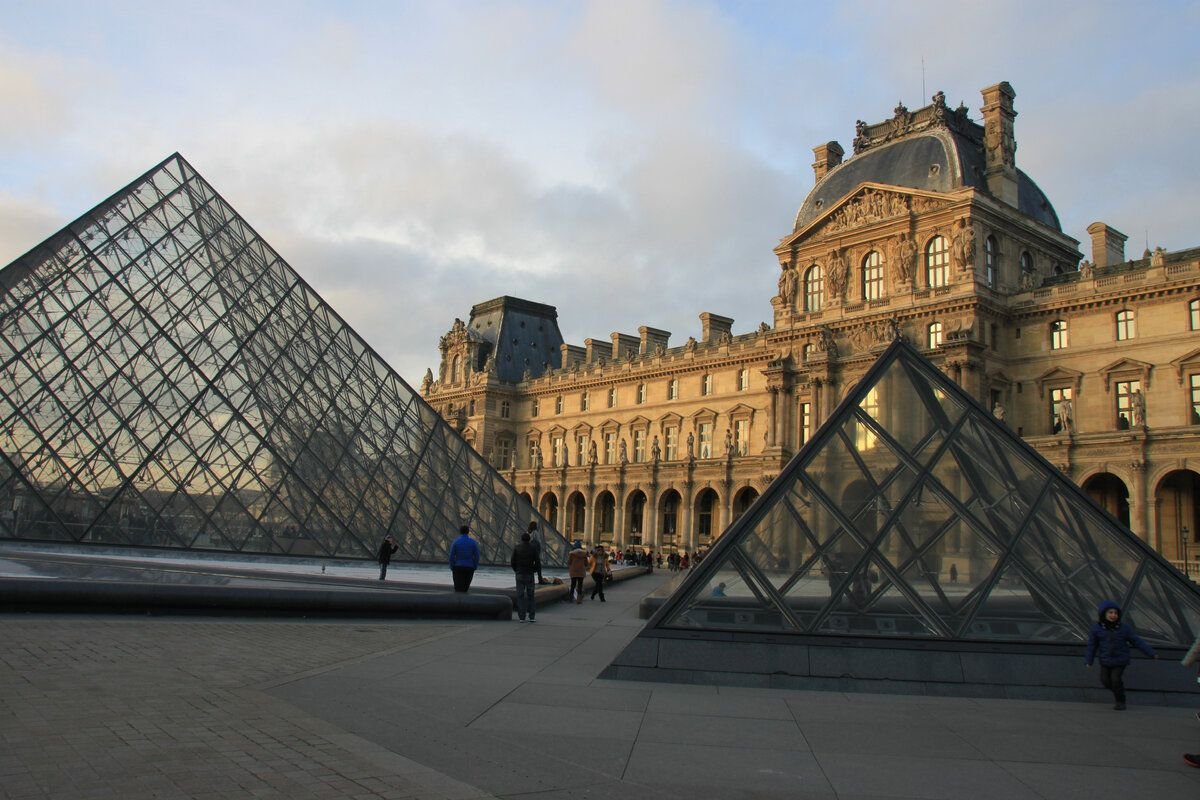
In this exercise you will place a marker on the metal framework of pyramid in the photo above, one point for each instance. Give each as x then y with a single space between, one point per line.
914 514
166 379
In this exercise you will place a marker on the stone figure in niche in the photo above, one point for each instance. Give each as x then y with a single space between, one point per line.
1030 280
838 271
655 450
535 456
691 446
592 459
998 411
1086 269
624 453
1066 413
906 254
964 246
826 342
728 443
789 281
1137 405
566 456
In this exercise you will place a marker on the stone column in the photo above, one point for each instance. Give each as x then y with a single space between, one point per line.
773 424
1139 506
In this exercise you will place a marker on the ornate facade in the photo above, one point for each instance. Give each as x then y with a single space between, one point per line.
929 232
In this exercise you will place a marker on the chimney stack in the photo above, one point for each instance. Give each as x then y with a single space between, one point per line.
1108 245
713 325
652 339
828 156
999 141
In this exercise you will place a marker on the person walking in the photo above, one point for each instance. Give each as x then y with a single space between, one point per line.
525 563
598 566
577 566
464 559
387 549
1110 640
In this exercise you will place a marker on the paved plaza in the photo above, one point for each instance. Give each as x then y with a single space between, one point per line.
189 707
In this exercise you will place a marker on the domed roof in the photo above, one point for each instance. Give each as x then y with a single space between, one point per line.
936 159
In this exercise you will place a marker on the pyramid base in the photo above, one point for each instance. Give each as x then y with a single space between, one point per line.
1026 672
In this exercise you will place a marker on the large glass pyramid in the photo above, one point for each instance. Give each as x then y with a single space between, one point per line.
166 379
913 513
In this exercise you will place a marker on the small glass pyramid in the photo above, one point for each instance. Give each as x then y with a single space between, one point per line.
166 379
914 513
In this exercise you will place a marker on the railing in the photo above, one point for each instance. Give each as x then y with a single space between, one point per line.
1189 568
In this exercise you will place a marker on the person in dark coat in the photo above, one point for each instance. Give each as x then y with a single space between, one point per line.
386 550
536 541
1109 641
464 559
525 563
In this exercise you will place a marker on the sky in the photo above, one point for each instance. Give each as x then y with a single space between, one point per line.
630 162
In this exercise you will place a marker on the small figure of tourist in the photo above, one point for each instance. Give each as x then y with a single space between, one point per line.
525 563
577 567
1110 640
536 540
387 549
464 559
598 566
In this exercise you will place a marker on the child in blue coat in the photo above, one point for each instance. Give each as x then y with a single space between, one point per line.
1110 640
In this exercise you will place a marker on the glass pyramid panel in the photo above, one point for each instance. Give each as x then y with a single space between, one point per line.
167 379
913 513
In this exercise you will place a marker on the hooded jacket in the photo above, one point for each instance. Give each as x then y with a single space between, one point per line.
1110 641
577 562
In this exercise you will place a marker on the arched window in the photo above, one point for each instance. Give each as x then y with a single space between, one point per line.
1126 326
1026 262
937 263
991 255
872 276
814 288
934 339
455 369
1058 334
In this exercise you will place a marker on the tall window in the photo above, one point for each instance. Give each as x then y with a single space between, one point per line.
1060 404
558 452
504 451
558 404
807 351
706 433
580 449
639 446
872 276
741 437
805 422
864 437
814 288
743 380
533 450
612 398
673 389
610 447
991 254
1125 400
1195 387
584 401
1194 315
1058 334
455 369
1026 262
641 393
1126 327
937 263
533 407
505 409
672 440
706 385
934 338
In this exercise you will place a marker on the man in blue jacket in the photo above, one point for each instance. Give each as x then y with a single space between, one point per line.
464 558
1110 640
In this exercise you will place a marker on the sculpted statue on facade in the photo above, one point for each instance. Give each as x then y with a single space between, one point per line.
838 273
1066 416
1086 270
963 248
624 453
998 411
427 381
1137 405
825 341
906 255
691 444
690 345
789 281
728 443
655 450
592 458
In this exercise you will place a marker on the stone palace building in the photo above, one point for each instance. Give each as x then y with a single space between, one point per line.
928 231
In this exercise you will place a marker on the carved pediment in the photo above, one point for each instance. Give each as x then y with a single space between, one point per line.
871 203
582 429
1126 367
671 419
638 422
1186 363
1059 376
740 410
704 414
